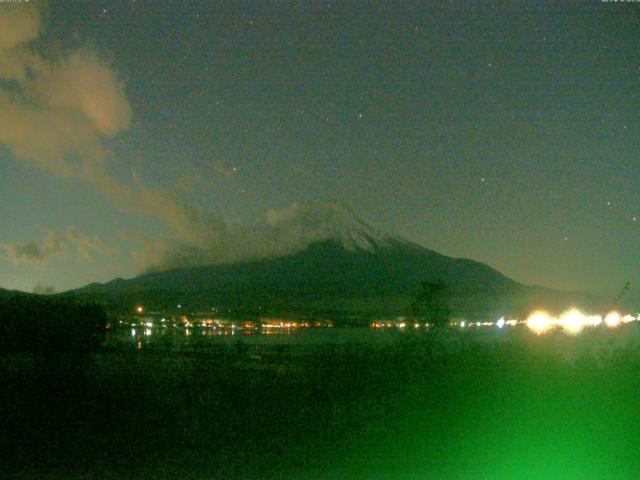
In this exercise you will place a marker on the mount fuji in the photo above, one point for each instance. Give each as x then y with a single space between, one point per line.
337 267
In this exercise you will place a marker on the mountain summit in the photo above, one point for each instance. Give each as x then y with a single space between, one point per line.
320 221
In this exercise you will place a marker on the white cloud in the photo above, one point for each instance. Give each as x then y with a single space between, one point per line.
84 83
89 246
32 253
59 115
19 24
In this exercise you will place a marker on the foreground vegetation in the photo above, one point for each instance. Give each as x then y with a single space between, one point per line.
457 406
47 325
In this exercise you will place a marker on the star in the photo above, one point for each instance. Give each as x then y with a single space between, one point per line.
359 115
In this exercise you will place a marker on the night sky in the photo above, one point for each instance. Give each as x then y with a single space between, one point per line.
132 132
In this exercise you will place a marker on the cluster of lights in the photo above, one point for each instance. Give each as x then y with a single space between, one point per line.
268 324
285 325
222 326
500 323
572 321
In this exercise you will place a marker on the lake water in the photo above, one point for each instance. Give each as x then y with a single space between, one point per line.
597 343
303 339
144 337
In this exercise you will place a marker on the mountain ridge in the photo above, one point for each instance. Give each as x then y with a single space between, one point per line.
341 266
325 279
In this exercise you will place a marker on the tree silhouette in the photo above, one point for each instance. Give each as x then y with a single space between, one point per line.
34 323
432 305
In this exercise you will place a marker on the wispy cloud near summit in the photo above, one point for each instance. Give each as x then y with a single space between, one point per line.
60 112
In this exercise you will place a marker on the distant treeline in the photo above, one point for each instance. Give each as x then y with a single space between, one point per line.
35 323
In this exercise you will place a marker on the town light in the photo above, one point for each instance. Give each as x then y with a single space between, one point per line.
612 319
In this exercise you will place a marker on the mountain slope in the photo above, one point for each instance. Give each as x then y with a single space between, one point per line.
12 293
349 269
326 278
327 267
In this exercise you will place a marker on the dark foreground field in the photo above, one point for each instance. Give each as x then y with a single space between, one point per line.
518 407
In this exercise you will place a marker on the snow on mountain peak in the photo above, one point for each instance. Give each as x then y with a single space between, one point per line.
319 221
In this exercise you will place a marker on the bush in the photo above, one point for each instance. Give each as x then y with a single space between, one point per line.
31 323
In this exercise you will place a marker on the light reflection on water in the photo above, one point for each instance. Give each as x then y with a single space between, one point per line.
189 337
179 338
